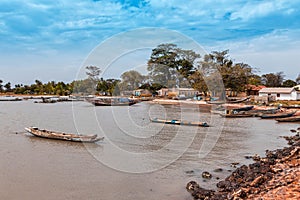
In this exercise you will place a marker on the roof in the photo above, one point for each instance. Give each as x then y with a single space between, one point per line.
277 90
254 87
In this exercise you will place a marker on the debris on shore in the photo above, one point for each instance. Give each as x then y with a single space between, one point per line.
276 176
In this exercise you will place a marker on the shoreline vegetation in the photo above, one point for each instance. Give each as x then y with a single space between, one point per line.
276 176
168 66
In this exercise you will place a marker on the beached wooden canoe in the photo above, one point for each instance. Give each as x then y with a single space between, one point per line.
62 136
246 108
289 119
277 115
238 115
179 122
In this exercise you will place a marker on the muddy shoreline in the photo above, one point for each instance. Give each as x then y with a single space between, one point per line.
275 176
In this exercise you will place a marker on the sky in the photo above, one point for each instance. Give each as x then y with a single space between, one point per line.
53 40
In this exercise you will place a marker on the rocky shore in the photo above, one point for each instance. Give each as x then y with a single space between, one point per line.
276 176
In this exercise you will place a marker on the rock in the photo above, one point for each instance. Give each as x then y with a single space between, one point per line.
275 176
206 175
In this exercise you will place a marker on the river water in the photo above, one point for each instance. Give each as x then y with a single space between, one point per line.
136 160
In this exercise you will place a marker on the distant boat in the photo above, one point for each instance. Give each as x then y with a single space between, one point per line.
11 99
228 100
62 136
289 119
277 115
232 115
179 122
112 101
246 108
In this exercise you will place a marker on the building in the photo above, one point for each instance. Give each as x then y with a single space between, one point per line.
253 90
178 92
142 92
280 93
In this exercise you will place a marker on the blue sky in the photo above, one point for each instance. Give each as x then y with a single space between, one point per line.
50 40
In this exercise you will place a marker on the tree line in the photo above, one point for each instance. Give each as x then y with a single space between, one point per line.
168 66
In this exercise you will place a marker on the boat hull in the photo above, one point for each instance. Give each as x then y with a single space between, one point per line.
274 116
289 119
63 136
179 122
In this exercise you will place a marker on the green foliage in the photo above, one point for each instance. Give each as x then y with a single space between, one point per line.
152 87
273 79
170 65
108 87
289 83
131 80
217 69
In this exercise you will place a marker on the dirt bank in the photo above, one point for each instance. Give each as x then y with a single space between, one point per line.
276 176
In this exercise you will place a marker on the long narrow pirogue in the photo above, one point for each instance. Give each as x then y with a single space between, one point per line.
289 119
179 122
62 136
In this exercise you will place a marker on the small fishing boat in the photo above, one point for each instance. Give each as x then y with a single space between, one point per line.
238 115
229 100
112 101
289 119
277 115
62 136
246 108
179 122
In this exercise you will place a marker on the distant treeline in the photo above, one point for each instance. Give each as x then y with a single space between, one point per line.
168 66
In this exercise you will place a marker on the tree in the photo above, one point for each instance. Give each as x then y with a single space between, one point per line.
298 79
108 87
1 86
289 83
254 80
273 80
93 72
170 65
7 87
131 80
218 65
151 87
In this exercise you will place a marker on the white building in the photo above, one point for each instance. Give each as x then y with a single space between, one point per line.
178 92
280 93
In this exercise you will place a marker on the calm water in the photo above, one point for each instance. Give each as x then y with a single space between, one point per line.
137 160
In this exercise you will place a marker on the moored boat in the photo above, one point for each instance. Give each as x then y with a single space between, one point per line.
289 119
179 122
238 115
246 108
112 101
62 136
277 115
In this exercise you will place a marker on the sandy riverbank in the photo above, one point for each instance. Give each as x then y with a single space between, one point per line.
276 176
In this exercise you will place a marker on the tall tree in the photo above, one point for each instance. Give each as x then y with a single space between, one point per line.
171 66
218 65
131 80
93 72
273 79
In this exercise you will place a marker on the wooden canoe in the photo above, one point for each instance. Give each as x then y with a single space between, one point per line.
289 119
277 115
179 122
237 115
62 136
